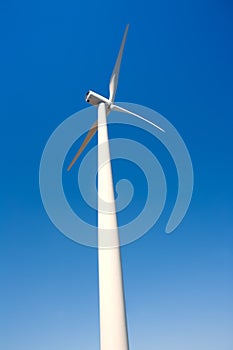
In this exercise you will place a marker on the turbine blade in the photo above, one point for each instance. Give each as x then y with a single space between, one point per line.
115 74
120 109
89 136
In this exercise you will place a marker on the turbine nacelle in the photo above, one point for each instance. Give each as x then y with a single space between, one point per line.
95 99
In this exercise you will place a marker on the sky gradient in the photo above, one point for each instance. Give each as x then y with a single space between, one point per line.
177 61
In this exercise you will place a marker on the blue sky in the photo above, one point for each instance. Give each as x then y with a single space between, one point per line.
178 61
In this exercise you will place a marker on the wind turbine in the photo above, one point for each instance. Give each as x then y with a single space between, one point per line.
113 325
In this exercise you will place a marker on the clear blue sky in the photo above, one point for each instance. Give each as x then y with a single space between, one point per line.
178 61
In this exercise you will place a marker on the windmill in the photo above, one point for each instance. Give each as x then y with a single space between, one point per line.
113 325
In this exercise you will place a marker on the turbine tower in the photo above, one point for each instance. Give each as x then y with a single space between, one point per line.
113 325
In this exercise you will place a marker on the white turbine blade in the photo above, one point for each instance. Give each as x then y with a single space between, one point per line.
120 109
88 138
115 74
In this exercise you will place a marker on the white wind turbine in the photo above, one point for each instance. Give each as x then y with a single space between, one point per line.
113 326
